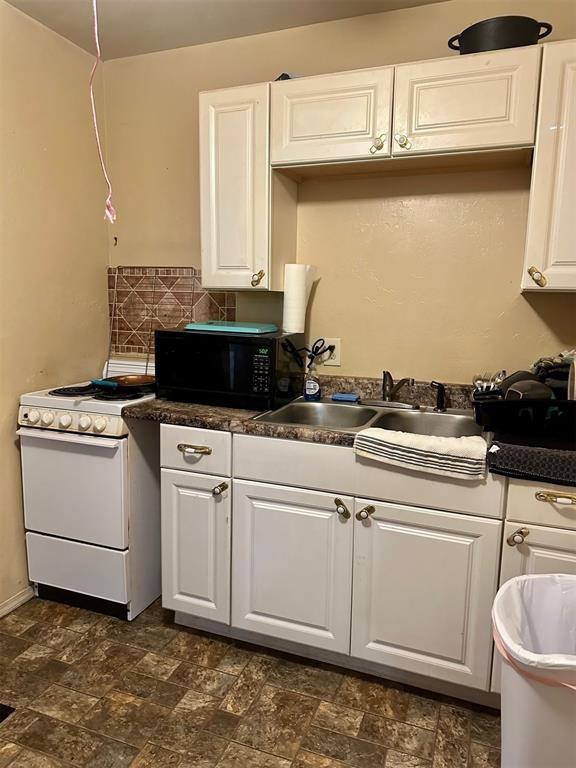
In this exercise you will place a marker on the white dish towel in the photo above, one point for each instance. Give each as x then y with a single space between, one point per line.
461 457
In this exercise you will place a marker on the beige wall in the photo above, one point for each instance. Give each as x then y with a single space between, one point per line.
53 325
418 274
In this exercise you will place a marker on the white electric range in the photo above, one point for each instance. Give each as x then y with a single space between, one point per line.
91 497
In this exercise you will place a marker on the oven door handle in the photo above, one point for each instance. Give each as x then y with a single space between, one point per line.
60 437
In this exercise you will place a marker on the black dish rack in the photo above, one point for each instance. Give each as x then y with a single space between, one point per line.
545 423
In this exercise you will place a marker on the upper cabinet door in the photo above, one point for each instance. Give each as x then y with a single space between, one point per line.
292 564
331 117
234 187
551 241
424 582
472 102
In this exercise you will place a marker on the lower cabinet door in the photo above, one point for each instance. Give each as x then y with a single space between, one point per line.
292 564
196 544
544 550
424 582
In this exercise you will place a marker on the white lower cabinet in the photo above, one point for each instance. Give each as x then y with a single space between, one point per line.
424 581
397 585
544 550
196 544
292 564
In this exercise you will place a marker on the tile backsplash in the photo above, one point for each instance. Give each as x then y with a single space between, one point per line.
142 299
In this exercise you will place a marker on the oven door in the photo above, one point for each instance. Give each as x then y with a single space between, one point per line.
75 486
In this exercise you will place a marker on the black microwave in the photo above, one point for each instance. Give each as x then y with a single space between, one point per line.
255 371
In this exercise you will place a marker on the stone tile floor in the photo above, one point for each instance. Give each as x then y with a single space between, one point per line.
98 692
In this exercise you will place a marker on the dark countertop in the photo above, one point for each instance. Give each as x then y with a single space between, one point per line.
188 414
235 420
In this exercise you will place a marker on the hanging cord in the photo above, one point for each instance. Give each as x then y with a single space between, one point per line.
318 349
109 210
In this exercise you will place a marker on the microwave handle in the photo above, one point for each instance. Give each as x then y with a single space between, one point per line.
60 437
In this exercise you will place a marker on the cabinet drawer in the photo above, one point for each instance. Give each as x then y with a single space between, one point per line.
524 506
83 568
199 450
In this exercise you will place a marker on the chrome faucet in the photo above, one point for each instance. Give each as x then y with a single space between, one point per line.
440 396
391 389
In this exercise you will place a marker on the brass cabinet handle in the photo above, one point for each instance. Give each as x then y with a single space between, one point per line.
555 497
365 512
219 489
378 144
257 278
197 450
517 537
538 276
342 509
403 141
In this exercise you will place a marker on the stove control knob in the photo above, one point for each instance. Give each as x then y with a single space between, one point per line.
33 417
47 418
100 424
85 422
65 420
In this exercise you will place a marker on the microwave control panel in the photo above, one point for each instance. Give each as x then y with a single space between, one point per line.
261 371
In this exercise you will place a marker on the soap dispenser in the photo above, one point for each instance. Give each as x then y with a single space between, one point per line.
312 389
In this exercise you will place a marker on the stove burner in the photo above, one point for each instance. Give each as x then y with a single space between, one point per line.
84 390
100 395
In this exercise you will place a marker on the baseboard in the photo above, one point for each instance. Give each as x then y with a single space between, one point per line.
16 600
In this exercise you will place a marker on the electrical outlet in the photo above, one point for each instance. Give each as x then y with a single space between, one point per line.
334 358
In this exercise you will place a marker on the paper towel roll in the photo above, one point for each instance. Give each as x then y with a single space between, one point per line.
298 279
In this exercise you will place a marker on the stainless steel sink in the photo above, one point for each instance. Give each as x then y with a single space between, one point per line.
447 424
352 418
321 414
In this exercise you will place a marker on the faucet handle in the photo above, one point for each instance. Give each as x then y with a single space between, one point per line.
440 395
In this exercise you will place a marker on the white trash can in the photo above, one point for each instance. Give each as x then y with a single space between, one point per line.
534 620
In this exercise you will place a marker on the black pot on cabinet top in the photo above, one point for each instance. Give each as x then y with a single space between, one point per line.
500 32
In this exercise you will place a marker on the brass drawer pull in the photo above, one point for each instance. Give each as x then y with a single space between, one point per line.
538 276
517 537
556 498
197 450
342 509
365 513
378 144
257 278
218 490
403 141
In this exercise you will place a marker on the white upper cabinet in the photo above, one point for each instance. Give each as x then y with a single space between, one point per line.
480 101
327 118
292 564
424 581
234 187
550 263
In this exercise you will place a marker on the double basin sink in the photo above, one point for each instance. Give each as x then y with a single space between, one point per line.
346 417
